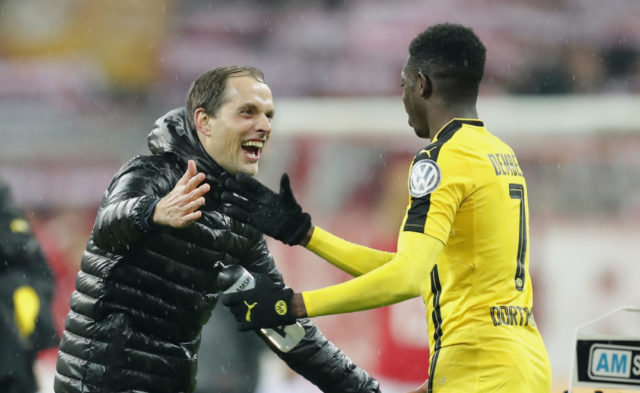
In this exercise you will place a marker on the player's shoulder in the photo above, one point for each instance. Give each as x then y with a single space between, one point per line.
436 151
448 139
433 162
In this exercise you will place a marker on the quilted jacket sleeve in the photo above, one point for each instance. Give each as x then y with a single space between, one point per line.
315 358
123 217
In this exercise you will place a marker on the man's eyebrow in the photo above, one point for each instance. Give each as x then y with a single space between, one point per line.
249 105
253 107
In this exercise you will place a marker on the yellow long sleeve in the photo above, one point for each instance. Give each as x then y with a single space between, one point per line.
403 277
348 257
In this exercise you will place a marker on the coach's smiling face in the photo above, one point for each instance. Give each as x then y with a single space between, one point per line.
236 135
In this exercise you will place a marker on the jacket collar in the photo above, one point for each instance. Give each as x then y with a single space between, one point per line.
172 134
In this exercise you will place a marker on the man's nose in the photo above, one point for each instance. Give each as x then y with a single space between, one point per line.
264 125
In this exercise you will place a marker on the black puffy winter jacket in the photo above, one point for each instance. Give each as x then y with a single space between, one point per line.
144 291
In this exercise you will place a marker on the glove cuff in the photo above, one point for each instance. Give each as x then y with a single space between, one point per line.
283 308
296 233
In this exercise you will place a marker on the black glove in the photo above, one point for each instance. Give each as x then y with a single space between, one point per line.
265 305
275 215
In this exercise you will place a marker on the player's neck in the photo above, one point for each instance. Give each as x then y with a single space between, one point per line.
443 115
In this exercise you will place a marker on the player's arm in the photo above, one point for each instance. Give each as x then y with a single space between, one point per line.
419 246
405 276
280 216
349 257
402 278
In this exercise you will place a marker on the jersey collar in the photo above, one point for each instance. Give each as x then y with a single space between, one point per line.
455 124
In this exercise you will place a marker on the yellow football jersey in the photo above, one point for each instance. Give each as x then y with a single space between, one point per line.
468 190
464 248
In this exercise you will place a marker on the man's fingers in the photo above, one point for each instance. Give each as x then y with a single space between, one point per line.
244 184
251 185
191 170
233 185
285 188
285 184
235 199
194 205
190 188
191 217
194 181
183 180
235 212
191 167
200 191
232 300
247 181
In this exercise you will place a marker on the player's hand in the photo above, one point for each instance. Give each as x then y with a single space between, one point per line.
275 215
264 306
179 208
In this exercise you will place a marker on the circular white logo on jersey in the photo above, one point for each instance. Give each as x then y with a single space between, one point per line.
424 179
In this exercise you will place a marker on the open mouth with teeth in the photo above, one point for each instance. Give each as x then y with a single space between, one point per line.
252 149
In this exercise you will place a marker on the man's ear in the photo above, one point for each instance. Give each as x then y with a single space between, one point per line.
426 86
201 120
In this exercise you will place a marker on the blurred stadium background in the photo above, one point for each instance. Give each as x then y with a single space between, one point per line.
81 83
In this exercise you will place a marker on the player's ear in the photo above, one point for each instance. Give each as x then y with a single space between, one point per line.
201 120
426 86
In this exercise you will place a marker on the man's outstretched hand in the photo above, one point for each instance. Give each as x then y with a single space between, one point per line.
275 215
266 305
179 208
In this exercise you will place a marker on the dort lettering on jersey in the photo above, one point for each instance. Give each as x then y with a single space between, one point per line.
512 316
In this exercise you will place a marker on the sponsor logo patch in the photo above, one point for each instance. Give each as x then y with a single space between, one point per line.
424 178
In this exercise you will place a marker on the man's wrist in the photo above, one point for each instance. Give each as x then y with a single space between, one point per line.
149 217
307 237
298 309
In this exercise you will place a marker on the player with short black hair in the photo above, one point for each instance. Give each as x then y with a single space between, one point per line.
454 55
463 245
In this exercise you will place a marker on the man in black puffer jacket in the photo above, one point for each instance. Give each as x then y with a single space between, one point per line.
147 279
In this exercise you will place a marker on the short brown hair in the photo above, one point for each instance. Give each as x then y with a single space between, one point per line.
207 91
